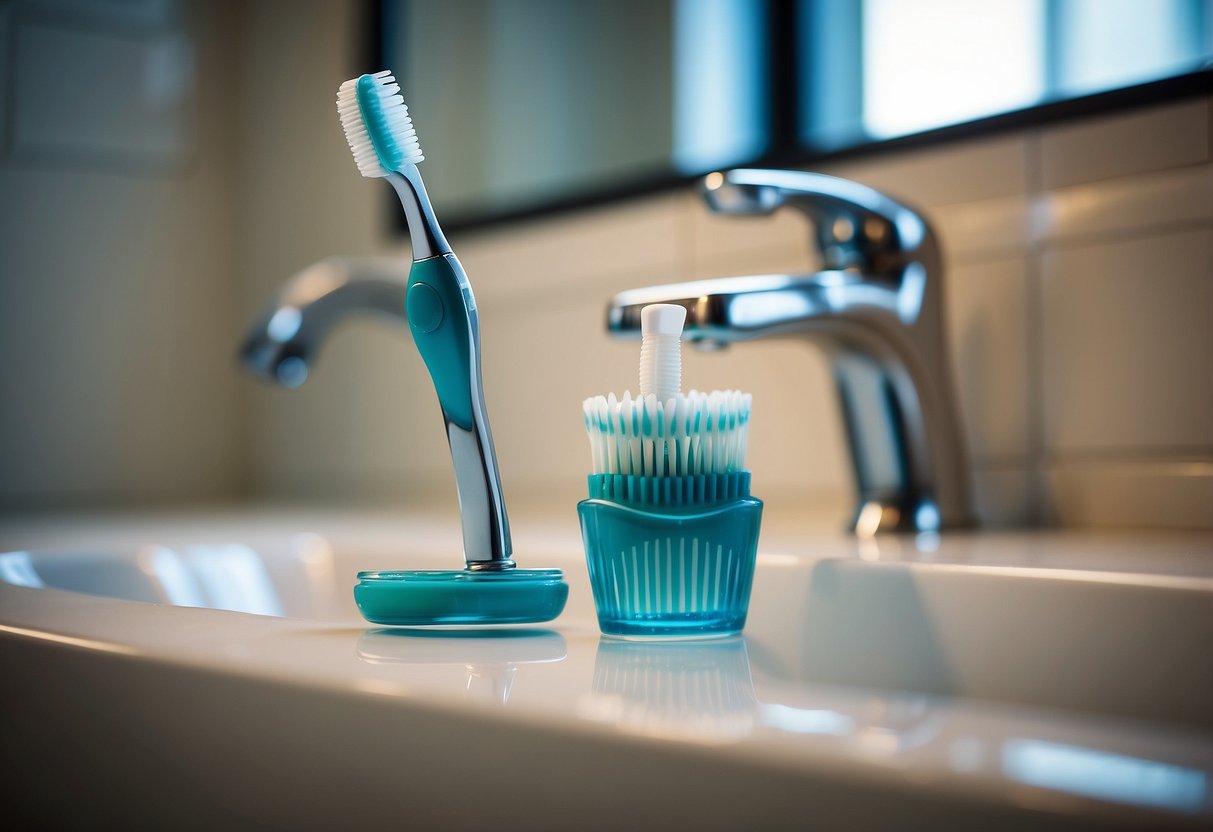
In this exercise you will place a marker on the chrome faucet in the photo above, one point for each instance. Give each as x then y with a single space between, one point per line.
282 344
876 308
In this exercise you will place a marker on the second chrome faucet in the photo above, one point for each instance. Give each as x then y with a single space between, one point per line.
876 308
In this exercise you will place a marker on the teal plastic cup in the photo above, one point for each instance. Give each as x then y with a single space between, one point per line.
671 557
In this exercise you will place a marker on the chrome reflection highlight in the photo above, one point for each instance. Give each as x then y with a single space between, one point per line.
927 517
763 309
284 324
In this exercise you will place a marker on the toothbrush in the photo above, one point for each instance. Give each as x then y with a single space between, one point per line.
440 307
670 526
441 312
664 432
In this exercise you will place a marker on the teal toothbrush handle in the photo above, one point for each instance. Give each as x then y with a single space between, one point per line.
442 317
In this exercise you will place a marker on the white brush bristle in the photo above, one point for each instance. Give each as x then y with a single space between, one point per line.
686 435
396 121
663 433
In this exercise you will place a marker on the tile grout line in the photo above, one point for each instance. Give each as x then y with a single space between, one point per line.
999 254
1124 235
1034 325
1130 455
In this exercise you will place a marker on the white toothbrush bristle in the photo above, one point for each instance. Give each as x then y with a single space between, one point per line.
689 434
664 432
394 126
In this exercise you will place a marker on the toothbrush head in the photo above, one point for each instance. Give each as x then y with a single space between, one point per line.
377 124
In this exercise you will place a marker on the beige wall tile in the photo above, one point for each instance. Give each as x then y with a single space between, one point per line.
955 172
1118 145
648 236
797 442
781 260
1132 493
983 229
782 241
116 316
541 360
365 427
1128 343
1002 497
1126 205
988 337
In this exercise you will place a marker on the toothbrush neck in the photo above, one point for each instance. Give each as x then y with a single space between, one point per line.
424 232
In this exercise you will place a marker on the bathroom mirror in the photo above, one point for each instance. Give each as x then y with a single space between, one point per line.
527 106
524 103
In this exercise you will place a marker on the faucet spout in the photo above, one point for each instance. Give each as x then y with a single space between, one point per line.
282 344
876 310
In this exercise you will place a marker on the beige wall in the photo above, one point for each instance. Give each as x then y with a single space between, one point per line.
1079 301
300 200
116 280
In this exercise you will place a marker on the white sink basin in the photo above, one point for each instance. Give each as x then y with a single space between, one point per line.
978 680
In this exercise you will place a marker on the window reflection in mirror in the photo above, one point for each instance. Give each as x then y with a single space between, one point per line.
929 63
522 104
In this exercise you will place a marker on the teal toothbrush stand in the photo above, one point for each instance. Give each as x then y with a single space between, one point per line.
461 596
671 557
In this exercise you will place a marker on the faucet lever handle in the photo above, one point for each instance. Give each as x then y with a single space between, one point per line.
856 227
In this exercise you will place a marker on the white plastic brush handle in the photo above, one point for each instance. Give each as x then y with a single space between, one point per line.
661 350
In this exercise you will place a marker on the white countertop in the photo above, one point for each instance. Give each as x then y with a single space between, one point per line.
904 695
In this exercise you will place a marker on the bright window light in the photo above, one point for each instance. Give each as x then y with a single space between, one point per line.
1116 43
928 63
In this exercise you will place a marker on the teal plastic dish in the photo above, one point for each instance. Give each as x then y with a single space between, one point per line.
461 596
